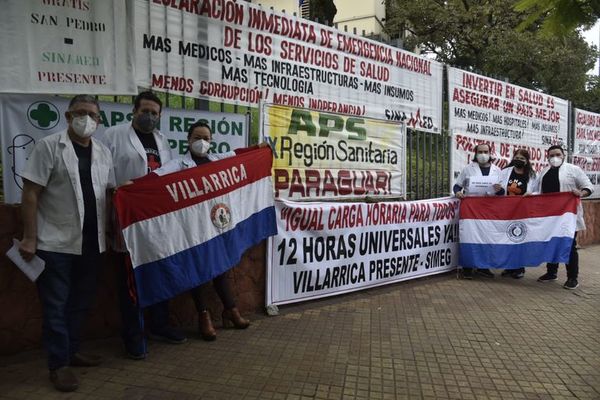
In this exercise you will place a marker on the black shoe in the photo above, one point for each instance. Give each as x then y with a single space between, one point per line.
135 356
467 273
507 272
518 274
85 360
168 335
571 284
547 277
64 379
486 272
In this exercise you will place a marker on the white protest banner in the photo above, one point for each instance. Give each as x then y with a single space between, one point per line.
318 155
586 149
506 116
325 249
239 52
24 119
74 47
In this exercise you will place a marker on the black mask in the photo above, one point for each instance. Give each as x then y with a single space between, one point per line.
146 122
519 163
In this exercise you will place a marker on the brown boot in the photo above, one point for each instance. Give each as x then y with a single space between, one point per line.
234 317
207 331
64 379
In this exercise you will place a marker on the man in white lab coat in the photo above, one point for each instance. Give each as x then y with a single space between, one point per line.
137 149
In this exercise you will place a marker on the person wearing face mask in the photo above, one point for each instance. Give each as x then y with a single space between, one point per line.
64 209
481 165
139 148
199 138
517 179
561 176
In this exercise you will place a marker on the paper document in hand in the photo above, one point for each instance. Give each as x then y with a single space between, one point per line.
32 268
481 185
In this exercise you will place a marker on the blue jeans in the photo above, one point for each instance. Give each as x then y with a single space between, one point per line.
67 289
132 316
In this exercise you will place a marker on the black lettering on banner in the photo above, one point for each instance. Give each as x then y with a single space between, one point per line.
390 267
332 277
291 260
451 233
438 258
319 248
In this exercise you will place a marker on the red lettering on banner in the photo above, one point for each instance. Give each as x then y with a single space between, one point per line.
71 77
314 183
292 28
341 108
374 71
347 216
475 99
223 10
468 144
588 119
230 92
482 84
386 213
419 212
308 55
302 219
444 211
527 96
169 82
288 100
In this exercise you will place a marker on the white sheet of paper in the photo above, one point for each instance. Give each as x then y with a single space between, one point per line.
481 185
32 269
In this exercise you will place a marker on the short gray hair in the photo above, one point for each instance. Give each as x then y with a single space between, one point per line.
83 98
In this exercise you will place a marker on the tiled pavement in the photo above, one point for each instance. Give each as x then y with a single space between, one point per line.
436 338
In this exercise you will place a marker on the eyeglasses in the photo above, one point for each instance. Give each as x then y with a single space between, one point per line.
81 113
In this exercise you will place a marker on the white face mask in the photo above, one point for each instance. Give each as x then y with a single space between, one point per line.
483 158
200 148
555 161
84 126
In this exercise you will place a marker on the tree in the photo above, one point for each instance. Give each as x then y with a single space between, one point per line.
481 36
559 16
323 11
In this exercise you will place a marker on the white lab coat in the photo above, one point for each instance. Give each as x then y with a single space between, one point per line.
181 163
473 170
54 165
570 177
129 156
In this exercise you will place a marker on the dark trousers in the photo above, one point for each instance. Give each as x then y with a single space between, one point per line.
223 289
132 316
572 265
67 289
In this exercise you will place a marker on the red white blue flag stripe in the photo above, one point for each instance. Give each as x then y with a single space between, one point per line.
185 228
517 231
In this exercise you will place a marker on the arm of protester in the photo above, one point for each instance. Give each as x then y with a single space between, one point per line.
29 200
584 185
499 189
458 191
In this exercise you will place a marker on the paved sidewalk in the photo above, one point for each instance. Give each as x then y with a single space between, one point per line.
436 338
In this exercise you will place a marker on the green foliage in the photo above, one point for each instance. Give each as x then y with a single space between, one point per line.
482 36
559 16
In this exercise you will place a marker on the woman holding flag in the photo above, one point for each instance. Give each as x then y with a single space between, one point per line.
199 138
517 179
481 165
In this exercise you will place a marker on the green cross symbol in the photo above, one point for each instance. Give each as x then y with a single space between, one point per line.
43 115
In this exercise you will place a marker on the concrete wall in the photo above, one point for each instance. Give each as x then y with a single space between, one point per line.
20 314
